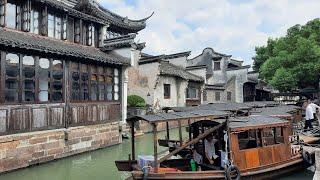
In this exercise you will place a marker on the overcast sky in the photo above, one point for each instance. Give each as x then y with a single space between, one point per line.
232 27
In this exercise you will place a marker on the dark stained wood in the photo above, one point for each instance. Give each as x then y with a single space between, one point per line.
193 141
155 147
180 132
133 150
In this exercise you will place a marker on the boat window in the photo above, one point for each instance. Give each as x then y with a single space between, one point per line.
249 139
268 136
279 135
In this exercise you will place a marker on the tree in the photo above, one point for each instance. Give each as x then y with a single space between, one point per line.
293 61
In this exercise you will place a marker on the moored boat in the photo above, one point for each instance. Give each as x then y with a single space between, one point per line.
256 147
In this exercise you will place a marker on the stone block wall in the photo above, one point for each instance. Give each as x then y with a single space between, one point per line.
22 150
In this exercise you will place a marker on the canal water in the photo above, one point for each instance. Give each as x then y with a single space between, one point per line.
99 165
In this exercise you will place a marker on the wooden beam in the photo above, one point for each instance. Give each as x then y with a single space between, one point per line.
155 147
133 151
180 132
168 133
201 136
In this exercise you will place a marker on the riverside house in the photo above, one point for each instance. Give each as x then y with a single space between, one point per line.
63 79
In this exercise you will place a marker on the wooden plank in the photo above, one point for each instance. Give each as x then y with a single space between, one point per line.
19 120
3 120
155 147
56 116
240 160
252 158
39 118
266 155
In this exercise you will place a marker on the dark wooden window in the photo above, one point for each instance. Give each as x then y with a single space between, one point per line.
44 79
12 77
75 81
57 81
28 79
192 93
217 96
167 91
55 25
34 20
32 79
13 14
229 95
109 84
84 82
95 83
249 139
217 65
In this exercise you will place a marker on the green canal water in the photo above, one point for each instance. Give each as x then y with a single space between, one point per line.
99 165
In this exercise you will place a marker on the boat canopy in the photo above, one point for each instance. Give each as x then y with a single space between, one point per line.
277 111
255 122
180 116
231 107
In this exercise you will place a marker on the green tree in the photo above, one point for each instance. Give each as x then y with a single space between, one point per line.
293 61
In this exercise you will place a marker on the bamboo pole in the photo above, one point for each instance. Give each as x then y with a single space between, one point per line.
190 142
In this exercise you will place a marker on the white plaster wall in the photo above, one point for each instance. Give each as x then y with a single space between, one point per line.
199 72
241 78
177 96
180 61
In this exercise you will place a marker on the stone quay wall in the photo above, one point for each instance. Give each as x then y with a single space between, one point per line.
22 150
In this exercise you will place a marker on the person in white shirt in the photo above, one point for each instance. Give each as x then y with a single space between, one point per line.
310 114
210 150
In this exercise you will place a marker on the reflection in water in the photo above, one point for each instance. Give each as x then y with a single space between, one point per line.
99 165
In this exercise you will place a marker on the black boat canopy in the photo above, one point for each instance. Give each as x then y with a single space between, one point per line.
180 116
231 107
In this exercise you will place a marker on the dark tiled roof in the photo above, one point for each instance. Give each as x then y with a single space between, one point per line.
237 68
256 122
102 13
282 110
30 41
73 12
174 116
118 42
215 106
169 69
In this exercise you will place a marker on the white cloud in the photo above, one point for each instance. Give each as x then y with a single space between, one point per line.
231 28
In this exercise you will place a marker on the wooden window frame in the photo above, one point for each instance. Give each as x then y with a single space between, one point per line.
36 80
216 97
229 95
215 66
167 91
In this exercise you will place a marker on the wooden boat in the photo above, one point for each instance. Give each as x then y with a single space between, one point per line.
249 147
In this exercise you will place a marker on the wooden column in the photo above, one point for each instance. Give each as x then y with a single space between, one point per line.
180 132
168 133
155 147
189 124
133 150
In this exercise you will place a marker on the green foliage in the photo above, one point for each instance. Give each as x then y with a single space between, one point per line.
292 61
136 101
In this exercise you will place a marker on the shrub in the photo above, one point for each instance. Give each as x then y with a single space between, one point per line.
136 101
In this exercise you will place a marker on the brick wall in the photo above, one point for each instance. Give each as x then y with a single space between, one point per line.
22 150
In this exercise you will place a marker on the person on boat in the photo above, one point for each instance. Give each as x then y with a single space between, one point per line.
197 155
310 114
314 108
210 151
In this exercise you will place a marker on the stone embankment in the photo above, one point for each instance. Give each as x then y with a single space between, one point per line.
22 150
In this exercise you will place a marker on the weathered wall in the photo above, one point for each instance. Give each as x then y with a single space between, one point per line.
199 72
22 150
178 91
142 80
241 77
211 96
180 61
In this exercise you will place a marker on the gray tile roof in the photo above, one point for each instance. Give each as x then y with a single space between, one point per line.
255 122
28 41
215 106
169 69
174 116
282 110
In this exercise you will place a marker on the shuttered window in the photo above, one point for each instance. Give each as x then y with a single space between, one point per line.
167 91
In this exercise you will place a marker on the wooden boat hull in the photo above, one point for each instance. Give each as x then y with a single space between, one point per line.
261 173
